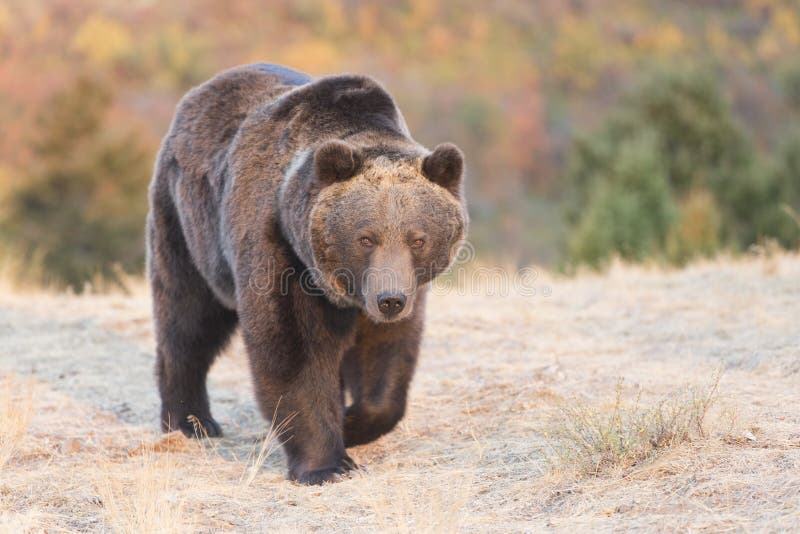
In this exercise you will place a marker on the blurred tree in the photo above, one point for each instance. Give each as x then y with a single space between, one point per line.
697 229
780 217
176 57
700 141
790 84
579 52
629 208
81 211
699 150
102 40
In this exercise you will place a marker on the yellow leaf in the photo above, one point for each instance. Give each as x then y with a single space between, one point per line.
5 19
664 39
102 40
787 24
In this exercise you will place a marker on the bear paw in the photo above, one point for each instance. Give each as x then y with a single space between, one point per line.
198 427
333 473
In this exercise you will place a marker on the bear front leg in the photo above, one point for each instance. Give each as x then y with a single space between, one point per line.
312 410
295 344
377 370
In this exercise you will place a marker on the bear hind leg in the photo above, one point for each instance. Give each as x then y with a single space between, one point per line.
184 356
191 328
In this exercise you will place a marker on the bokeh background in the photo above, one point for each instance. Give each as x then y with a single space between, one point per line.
648 130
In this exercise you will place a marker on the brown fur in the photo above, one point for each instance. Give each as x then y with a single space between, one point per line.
301 210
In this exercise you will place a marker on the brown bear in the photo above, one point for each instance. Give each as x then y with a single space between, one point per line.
302 210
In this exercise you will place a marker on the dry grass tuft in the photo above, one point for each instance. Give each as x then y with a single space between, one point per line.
269 445
587 441
139 495
15 414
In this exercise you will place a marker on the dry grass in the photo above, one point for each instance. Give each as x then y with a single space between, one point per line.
503 384
138 495
589 439
29 521
406 505
16 402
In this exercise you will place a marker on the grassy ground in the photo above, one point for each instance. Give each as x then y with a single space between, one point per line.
637 399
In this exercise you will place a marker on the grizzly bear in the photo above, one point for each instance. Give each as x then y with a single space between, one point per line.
300 209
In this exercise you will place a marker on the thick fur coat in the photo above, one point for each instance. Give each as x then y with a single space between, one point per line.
302 211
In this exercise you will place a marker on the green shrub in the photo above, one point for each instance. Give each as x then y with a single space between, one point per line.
629 210
780 219
695 148
701 143
790 84
763 206
80 213
587 440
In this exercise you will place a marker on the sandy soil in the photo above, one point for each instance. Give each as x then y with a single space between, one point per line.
472 453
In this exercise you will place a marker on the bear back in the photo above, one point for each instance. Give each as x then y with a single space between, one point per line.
340 105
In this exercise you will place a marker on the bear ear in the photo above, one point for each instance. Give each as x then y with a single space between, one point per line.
444 166
336 161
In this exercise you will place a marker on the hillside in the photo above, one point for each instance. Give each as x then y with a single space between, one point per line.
502 379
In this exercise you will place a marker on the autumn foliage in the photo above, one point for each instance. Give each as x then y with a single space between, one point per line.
685 107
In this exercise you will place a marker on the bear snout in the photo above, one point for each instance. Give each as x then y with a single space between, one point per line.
388 305
391 304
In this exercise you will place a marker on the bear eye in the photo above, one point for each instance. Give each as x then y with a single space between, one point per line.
365 242
418 243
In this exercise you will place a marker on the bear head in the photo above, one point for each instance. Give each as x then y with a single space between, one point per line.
380 222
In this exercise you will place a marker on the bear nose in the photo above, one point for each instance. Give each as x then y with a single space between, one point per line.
391 304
